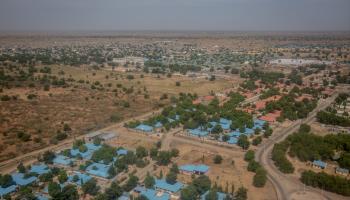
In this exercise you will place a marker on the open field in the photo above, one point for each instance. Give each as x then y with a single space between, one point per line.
85 109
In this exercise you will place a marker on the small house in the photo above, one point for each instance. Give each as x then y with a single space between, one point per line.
319 164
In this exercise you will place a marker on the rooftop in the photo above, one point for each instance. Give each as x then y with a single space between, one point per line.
162 184
195 168
39 169
98 169
144 128
21 180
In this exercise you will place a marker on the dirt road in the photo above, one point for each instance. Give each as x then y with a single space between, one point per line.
288 187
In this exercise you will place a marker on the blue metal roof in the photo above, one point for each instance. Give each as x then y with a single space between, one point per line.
39 169
102 170
83 178
20 180
320 163
248 131
259 122
198 132
220 195
122 152
225 121
91 148
162 184
195 168
41 197
144 128
234 134
154 195
158 124
62 160
8 190
232 140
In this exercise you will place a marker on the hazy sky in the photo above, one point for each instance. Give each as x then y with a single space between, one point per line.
219 15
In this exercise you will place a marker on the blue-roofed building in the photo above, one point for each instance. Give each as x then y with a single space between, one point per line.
258 123
91 148
39 169
198 132
121 152
125 196
161 184
7 190
248 132
158 125
319 164
151 194
155 195
194 169
82 178
41 197
232 140
234 134
220 195
98 169
21 180
62 160
225 121
144 128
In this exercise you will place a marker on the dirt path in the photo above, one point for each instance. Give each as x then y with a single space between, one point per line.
288 187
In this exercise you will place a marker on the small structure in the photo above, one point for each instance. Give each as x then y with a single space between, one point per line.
342 171
151 194
234 134
62 160
121 152
107 135
104 135
220 195
144 128
39 169
319 164
91 148
98 169
194 169
198 132
162 185
21 180
80 180
40 196
7 190
232 140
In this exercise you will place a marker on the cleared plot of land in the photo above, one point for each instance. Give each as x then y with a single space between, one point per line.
82 108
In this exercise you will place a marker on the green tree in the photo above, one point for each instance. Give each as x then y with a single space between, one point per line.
141 152
243 142
202 184
260 178
90 187
171 177
241 194
149 181
217 159
189 193
250 155
62 176
114 191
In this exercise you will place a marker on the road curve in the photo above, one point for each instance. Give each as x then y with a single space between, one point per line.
286 186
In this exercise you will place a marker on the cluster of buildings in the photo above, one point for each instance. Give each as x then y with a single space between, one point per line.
319 164
71 163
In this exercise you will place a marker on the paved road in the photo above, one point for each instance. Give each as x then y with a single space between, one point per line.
286 186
